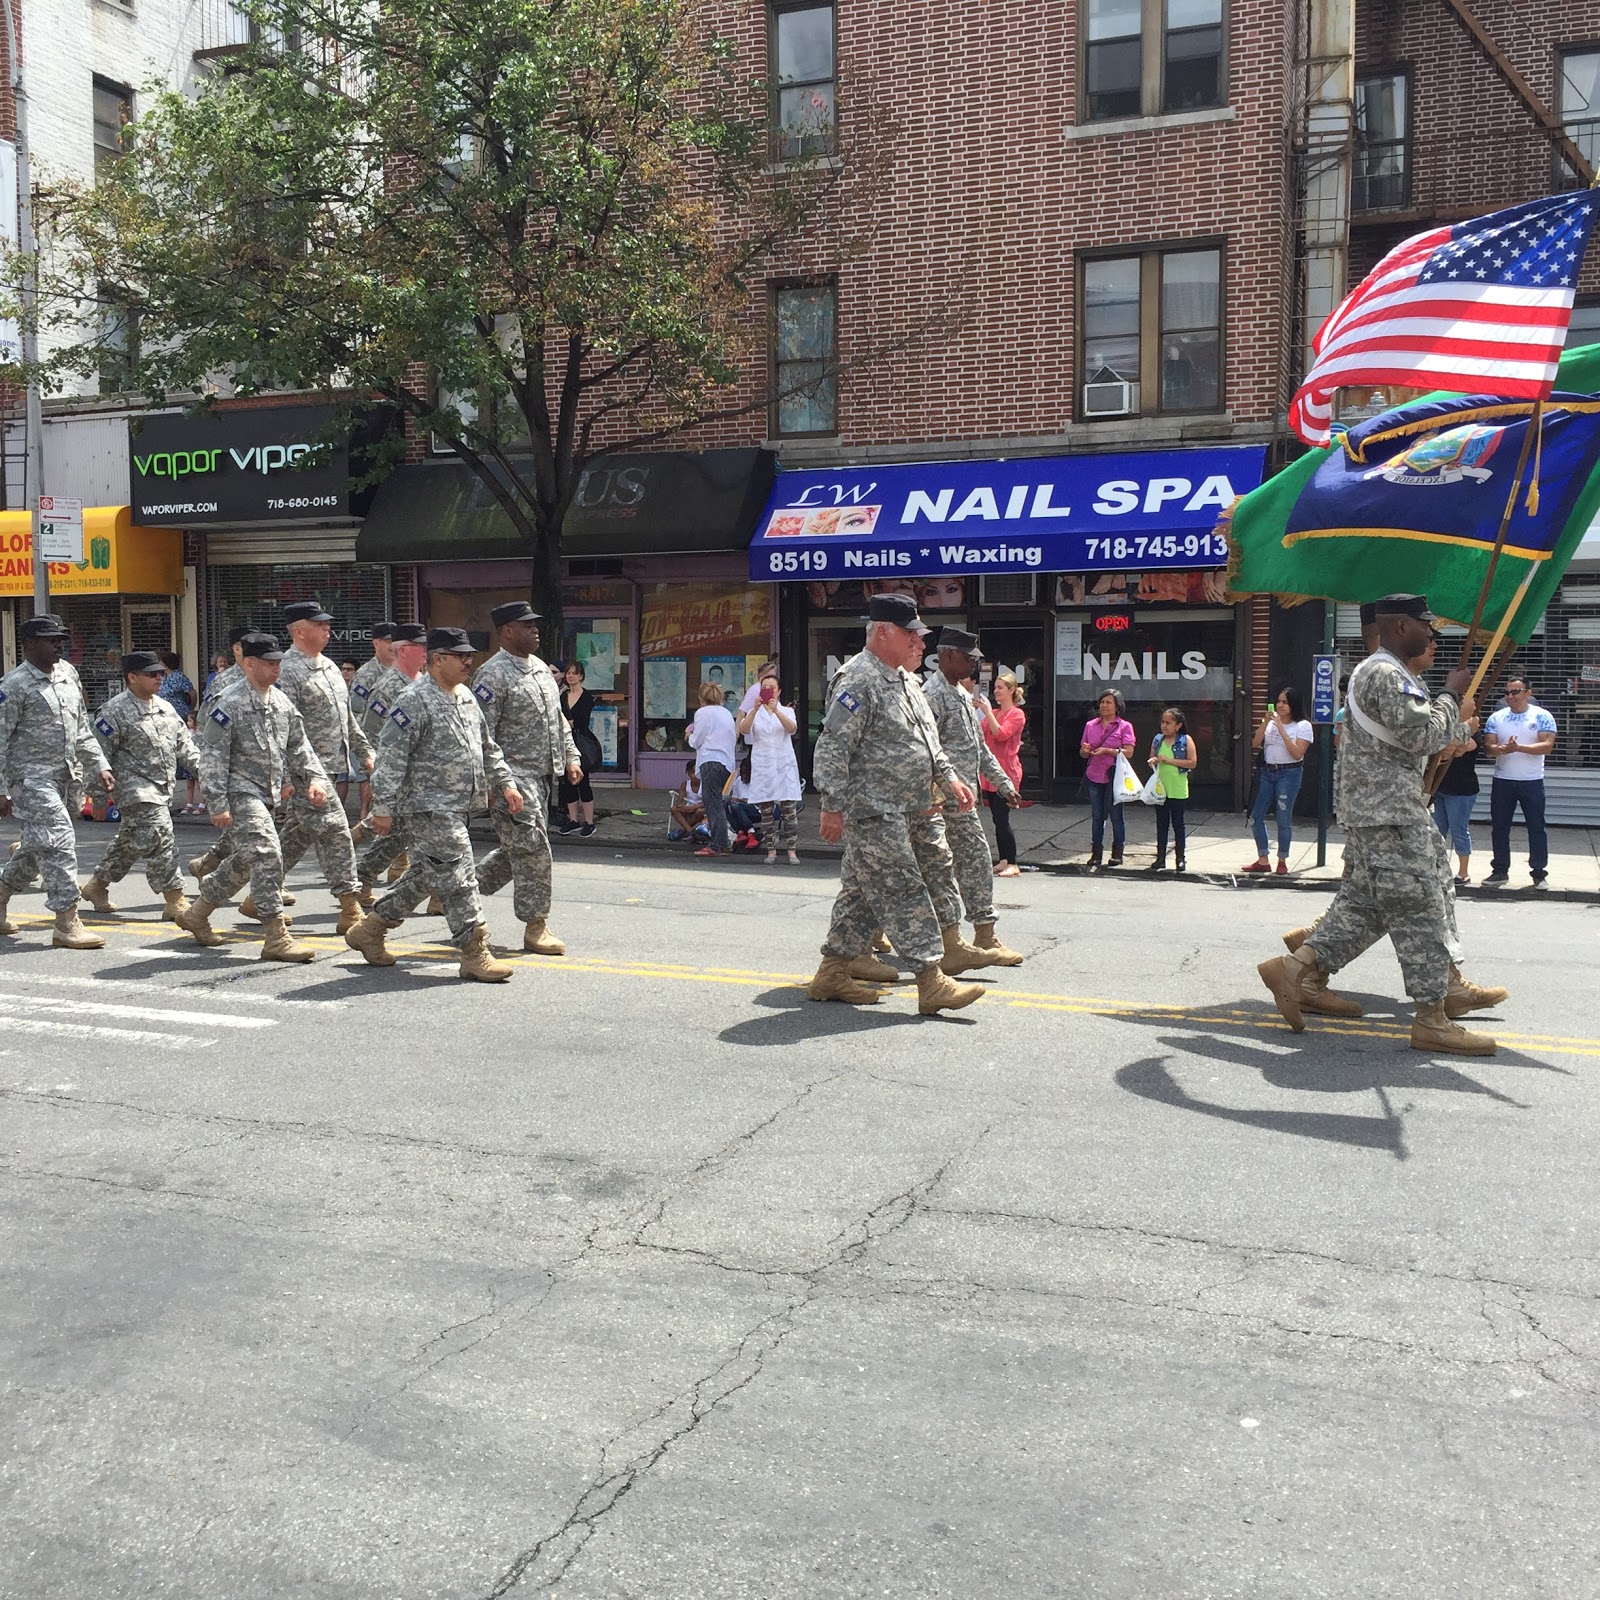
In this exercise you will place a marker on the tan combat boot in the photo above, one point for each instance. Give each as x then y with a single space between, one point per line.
539 939
869 969
98 893
988 941
202 866
1465 996
959 956
367 895
195 919
367 936
1433 1031
1296 937
1288 977
1315 995
402 865
276 945
477 963
935 991
5 900
833 982
177 904
248 908
351 912
434 907
881 944
70 934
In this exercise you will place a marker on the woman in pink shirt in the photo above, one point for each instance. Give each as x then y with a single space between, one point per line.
1103 736
1003 723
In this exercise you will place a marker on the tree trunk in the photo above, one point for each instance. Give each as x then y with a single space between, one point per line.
546 596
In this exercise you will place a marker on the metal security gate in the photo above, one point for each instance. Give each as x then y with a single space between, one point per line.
251 595
148 625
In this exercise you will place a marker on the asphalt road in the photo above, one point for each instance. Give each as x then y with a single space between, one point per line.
643 1276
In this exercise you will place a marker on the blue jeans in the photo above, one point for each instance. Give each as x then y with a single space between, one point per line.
1452 813
1100 802
1505 795
742 816
1279 786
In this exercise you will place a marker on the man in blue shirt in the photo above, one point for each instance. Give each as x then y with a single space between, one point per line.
1519 736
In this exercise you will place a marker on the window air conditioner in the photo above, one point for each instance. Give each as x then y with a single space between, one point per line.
1006 589
1114 399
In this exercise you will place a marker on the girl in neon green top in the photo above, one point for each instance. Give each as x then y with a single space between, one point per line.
1172 754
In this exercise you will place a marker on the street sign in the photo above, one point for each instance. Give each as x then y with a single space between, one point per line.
1324 689
61 528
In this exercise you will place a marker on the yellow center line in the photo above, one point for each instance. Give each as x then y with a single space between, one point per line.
1216 1016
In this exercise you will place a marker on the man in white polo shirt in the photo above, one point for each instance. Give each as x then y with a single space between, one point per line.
1519 736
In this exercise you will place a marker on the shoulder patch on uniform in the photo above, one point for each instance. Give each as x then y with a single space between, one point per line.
380 708
221 717
849 702
399 718
103 725
360 690
2 697
484 693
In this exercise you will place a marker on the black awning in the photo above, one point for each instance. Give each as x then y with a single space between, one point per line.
665 503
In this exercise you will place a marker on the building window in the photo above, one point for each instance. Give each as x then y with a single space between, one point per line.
1584 328
806 393
118 342
804 75
1151 334
1149 57
1382 176
113 111
1578 106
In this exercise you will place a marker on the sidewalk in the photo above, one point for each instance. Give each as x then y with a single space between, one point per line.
1055 838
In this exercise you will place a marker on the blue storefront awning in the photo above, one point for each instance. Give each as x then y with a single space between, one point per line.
1089 513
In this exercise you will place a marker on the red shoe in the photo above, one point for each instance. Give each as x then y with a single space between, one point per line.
1283 867
1256 866
707 851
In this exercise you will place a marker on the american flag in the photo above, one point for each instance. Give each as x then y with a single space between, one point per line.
1480 308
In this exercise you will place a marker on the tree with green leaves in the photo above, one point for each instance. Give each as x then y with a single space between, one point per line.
542 228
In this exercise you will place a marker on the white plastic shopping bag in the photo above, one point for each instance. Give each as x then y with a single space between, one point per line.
1125 783
1152 793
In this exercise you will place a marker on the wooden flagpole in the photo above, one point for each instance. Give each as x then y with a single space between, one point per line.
1500 540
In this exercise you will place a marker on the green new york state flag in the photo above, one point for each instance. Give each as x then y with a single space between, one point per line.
1357 565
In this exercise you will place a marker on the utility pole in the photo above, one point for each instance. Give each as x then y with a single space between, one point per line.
33 407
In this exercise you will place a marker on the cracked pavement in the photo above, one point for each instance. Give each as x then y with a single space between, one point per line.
644 1277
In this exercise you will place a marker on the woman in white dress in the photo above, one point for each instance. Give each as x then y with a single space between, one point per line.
769 727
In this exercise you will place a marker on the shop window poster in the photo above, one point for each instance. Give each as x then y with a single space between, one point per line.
1147 588
727 672
603 722
931 594
665 688
597 649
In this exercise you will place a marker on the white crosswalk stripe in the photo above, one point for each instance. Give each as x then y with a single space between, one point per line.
231 995
110 1010
59 1029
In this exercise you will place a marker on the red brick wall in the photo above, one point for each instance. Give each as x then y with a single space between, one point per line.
991 202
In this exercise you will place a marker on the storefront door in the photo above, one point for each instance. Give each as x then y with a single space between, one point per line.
1152 659
600 640
147 627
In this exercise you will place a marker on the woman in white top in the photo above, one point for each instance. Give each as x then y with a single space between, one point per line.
713 741
770 726
1283 739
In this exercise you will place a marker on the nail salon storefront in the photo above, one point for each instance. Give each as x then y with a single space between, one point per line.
1079 573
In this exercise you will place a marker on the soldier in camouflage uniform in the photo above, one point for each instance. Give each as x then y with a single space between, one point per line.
961 733
522 709
1394 885
408 658
436 762
46 748
317 690
877 762
145 741
253 752
361 687
212 856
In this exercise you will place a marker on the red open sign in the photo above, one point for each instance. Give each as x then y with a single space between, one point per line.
1115 622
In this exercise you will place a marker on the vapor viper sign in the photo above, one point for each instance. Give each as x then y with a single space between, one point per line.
1039 514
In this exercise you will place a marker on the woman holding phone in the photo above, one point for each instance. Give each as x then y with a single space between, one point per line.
769 727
